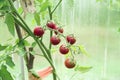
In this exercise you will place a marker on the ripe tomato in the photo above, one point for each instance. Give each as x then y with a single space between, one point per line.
63 49
38 31
71 39
51 25
70 63
59 30
55 40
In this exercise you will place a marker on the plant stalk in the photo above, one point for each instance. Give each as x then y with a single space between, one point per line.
27 29
25 56
56 6
51 33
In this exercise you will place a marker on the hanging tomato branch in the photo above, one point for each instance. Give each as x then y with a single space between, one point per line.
56 33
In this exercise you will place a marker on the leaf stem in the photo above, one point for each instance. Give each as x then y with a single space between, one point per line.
50 13
50 45
56 6
51 32
19 23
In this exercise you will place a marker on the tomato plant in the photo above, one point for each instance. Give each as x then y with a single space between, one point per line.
16 22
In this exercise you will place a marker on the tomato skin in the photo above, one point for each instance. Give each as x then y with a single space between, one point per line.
71 39
70 63
63 49
59 30
38 31
55 40
51 25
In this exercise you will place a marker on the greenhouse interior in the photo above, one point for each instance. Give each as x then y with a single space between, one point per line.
59 39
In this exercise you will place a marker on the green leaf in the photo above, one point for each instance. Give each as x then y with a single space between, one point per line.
119 30
75 49
2 47
83 51
4 74
37 18
22 43
9 62
34 44
99 0
10 23
21 52
45 5
2 2
53 50
0 78
20 10
40 1
82 69
26 43
9 48
2 57
4 6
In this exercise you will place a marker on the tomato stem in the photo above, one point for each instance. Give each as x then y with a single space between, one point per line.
47 51
51 32
50 45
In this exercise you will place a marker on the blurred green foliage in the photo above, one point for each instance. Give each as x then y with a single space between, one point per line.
114 11
90 12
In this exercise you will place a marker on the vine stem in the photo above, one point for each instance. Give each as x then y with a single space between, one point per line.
35 38
51 33
29 31
50 45
18 30
56 6
46 50
40 46
23 24
50 13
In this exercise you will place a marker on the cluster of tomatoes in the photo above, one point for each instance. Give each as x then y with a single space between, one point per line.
55 40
